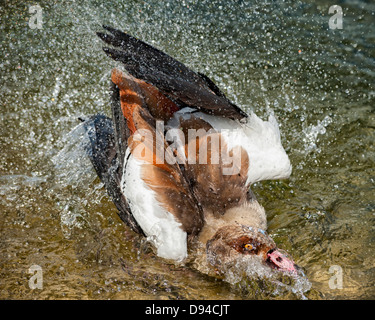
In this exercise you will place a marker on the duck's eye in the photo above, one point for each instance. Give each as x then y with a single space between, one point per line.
248 246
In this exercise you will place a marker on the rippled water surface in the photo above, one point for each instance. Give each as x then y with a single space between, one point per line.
268 56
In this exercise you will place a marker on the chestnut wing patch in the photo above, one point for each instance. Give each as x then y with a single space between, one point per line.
165 179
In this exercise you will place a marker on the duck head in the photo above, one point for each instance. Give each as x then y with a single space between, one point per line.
235 241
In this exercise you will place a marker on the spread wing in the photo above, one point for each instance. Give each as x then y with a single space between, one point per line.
182 85
164 176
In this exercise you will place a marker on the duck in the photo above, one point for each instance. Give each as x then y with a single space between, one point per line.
178 159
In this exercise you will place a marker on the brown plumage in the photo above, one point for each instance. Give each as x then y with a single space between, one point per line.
182 192
205 187
166 179
216 191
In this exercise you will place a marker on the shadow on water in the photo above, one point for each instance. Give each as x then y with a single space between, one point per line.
273 56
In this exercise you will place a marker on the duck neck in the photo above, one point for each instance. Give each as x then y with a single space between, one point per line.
250 214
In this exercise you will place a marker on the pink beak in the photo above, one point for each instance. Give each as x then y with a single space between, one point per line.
281 261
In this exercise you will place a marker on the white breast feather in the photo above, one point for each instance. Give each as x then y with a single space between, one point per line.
159 225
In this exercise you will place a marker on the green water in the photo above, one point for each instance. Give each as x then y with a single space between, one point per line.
268 56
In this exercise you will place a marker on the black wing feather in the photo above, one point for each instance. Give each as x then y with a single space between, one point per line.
105 152
173 78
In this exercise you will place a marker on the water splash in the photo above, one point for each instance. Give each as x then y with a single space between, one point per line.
312 132
252 277
74 170
10 185
72 165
